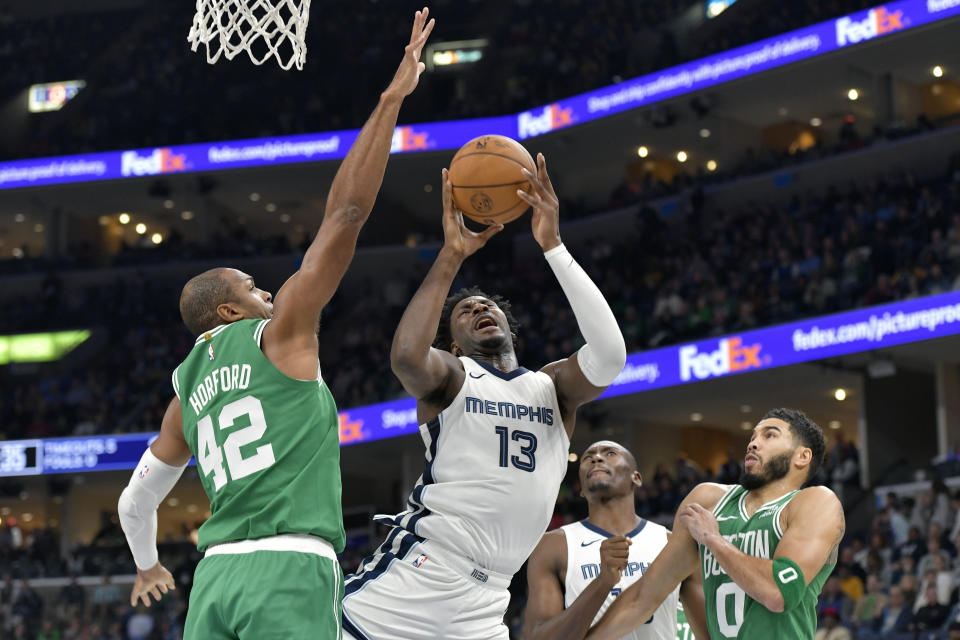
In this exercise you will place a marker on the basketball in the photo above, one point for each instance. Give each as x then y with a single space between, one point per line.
485 175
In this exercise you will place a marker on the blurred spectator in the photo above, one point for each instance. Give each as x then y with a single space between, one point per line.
866 614
105 596
897 615
914 546
932 614
140 624
933 551
831 628
833 597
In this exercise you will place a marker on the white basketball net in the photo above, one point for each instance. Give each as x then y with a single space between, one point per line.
262 28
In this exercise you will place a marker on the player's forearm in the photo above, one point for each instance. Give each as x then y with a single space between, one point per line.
418 326
630 610
753 575
574 622
358 180
150 483
605 353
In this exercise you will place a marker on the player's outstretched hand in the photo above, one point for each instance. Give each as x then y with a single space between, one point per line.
407 76
546 206
457 238
614 554
700 523
153 582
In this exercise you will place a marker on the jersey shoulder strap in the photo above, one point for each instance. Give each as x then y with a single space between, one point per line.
731 494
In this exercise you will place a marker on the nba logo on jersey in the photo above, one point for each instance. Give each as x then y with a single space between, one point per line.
144 470
210 351
419 560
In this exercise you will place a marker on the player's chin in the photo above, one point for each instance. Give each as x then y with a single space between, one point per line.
492 341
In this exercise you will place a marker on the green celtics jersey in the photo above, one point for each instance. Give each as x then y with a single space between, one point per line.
684 632
267 445
730 612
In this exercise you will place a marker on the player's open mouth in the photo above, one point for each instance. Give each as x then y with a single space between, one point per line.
485 322
750 458
593 471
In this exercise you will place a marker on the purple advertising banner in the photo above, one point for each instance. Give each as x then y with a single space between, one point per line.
700 74
805 341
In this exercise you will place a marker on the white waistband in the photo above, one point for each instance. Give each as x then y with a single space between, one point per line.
286 542
464 566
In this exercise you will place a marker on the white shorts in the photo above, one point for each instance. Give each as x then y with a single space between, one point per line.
415 589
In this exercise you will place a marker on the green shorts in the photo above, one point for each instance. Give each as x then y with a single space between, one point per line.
265 595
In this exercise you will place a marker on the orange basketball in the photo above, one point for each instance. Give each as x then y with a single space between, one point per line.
485 174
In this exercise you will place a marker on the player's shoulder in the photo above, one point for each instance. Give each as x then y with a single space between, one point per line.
708 494
815 497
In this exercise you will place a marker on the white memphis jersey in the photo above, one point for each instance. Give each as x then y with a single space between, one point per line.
583 566
494 462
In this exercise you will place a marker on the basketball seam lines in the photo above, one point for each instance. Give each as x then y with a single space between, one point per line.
489 153
488 186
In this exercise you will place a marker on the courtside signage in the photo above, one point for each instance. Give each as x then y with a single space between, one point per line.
741 62
805 341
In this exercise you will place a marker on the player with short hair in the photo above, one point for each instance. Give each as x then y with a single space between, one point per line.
766 545
573 580
252 407
497 438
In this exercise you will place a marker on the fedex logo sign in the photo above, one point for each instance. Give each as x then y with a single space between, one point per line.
731 356
406 139
552 117
878 22
160 161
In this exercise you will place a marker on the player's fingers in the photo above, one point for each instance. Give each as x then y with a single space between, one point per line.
544 176
534 180
417 27
156 594
422 39
527 197
163 587
133 597
145 599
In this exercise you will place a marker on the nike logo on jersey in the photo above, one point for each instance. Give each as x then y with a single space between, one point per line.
587 544
722 518
477 376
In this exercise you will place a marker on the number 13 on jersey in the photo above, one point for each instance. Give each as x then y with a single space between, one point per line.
210 457
528 445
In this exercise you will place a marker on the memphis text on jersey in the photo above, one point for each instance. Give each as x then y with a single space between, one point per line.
753 543
543 415
236 376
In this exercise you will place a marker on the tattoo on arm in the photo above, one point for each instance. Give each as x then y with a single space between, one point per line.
838 537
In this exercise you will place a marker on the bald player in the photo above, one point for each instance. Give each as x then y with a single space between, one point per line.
573 579
252 407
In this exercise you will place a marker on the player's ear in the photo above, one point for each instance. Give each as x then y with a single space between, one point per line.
637 480
455 349
514 337
229 312
803 457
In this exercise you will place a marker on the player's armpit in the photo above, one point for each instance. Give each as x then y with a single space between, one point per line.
170 446
813 525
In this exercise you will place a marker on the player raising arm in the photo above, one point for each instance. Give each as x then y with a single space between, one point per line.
766 546
497 438
251 406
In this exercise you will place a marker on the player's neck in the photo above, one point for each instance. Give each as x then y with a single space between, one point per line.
771 491
505 362
615 515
